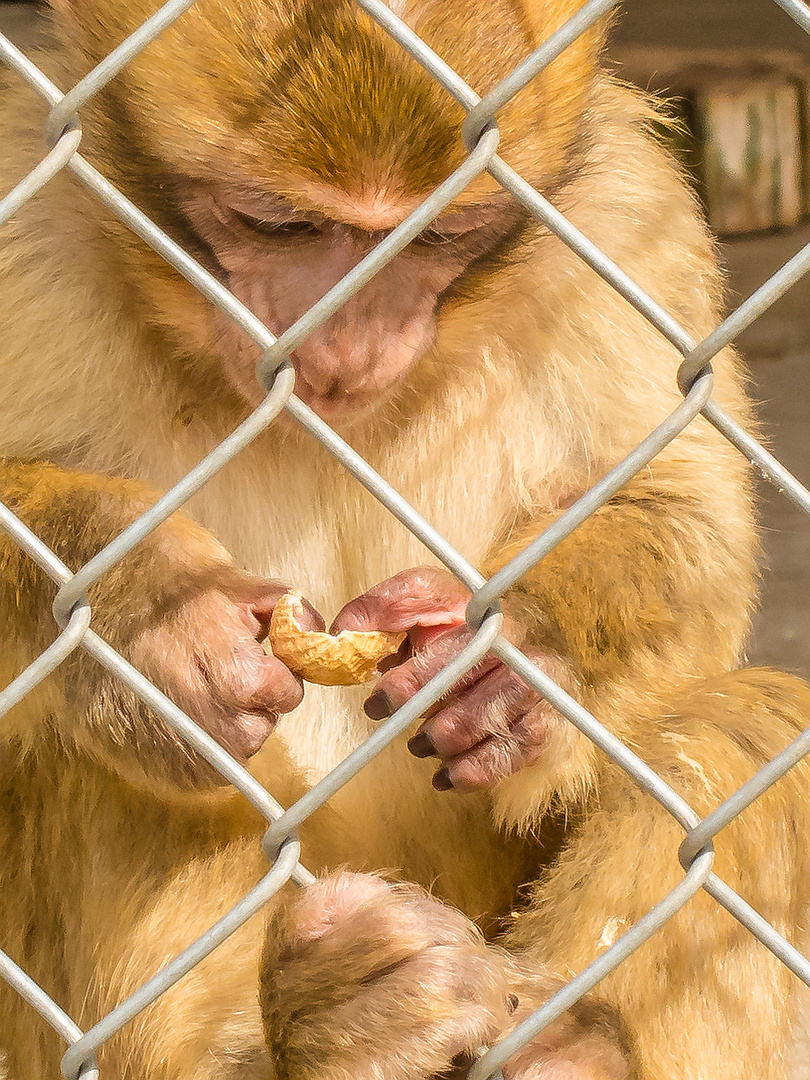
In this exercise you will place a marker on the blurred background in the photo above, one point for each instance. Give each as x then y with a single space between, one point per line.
738 75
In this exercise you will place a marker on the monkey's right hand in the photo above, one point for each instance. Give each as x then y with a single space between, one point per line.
175 607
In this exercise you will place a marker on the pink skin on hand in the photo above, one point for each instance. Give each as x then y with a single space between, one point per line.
208 658
491 724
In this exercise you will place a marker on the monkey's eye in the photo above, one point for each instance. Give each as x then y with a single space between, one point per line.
433 238
282 230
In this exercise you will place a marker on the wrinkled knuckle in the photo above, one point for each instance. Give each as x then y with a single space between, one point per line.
333 901
453 730
469 775
400 684
530 732
495 716
494 760
518 698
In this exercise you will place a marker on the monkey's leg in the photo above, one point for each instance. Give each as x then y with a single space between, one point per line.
702 998
208 1025
103 885
175 606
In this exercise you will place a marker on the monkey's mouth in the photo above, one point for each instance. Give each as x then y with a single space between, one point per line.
338 406
341 400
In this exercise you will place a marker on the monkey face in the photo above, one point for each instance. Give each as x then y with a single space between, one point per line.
279 259
279 147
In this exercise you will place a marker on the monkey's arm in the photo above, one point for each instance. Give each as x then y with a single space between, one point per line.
652 590
176 607
658 579
656 586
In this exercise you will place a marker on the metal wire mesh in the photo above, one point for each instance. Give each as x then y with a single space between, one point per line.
72 610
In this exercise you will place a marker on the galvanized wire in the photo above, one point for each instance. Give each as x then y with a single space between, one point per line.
82 1051
275 373
36 997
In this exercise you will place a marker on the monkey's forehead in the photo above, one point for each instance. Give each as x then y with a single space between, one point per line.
319 89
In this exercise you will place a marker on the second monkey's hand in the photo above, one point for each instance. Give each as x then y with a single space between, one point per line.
491 724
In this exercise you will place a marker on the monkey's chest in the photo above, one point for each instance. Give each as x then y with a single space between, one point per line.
311 524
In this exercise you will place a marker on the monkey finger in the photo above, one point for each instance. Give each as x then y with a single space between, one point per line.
278 690
398 684
256 598
241 715
497 756
475 712
422 596
253 680
589 1041
308 619
245 733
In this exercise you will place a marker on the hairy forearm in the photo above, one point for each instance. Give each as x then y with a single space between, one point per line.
175 607
652 583
76 515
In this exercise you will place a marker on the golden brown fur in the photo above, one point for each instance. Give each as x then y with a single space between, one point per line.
117 849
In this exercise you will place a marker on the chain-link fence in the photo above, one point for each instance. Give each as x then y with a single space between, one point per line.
72 611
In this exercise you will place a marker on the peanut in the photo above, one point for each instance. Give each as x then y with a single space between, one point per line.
344 659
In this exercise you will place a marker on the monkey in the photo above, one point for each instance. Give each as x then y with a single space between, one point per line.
491 377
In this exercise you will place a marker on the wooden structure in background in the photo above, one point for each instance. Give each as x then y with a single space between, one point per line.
751 140
747 115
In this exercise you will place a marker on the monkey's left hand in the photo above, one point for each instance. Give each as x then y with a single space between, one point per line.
491 724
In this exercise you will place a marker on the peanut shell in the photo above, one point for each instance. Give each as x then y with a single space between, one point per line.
344 659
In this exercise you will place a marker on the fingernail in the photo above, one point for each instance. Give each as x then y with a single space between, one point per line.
442 781
378 707
421 745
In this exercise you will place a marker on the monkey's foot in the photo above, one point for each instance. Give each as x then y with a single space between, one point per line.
588 1042
366 979
369 979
